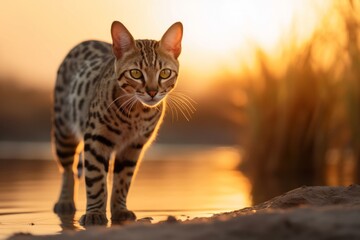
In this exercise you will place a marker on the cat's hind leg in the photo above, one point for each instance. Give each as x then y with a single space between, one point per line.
65 148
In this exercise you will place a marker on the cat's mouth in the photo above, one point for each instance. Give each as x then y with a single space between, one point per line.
151 102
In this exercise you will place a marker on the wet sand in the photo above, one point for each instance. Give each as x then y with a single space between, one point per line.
304 213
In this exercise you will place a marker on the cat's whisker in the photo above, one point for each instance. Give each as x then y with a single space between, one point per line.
171 103
176 92
183 103
180 107
185 98
132 105
189 102
116 99
186 104
135 101
183 108
168 104
182 112
158 108
129 105
125 104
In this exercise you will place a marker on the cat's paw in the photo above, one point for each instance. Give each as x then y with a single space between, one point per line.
93 218
120 216
64 207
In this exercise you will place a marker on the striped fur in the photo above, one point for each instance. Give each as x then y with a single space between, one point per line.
100 101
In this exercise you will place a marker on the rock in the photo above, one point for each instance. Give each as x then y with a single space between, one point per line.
171 219
145 220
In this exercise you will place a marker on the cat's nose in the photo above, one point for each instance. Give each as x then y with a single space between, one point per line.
152 93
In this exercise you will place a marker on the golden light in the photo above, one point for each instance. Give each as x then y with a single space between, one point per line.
218 37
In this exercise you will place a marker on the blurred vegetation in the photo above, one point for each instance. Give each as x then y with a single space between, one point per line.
25 115
24 112
303 110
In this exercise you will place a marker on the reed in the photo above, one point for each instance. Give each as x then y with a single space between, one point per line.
351 75
296 116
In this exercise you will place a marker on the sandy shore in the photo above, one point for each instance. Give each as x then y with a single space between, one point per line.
303 213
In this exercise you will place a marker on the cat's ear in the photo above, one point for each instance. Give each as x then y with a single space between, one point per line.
171 40
123 41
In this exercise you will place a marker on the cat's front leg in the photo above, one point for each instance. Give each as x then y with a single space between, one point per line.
96 168
124 169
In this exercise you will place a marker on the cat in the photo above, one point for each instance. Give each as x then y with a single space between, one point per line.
112 98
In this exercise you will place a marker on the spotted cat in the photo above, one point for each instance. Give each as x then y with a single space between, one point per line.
112 98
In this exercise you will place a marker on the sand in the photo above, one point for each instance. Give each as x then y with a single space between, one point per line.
304 213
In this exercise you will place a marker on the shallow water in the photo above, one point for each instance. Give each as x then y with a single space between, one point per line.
185 182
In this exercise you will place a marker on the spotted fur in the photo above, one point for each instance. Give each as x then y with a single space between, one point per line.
100 101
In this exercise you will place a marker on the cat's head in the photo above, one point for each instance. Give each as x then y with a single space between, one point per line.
147 69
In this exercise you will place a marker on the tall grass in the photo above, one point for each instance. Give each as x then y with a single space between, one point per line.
351 76
313 106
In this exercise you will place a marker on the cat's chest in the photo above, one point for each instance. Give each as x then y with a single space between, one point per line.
143 122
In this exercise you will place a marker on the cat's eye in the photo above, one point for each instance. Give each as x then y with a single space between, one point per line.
165 73
136 74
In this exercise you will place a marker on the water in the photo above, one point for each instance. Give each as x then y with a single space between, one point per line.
185 182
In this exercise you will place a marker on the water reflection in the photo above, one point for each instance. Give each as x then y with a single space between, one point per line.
185 182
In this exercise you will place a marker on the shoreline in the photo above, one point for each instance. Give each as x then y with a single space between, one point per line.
43 150
319 212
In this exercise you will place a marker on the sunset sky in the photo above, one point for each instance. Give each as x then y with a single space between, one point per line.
218 35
